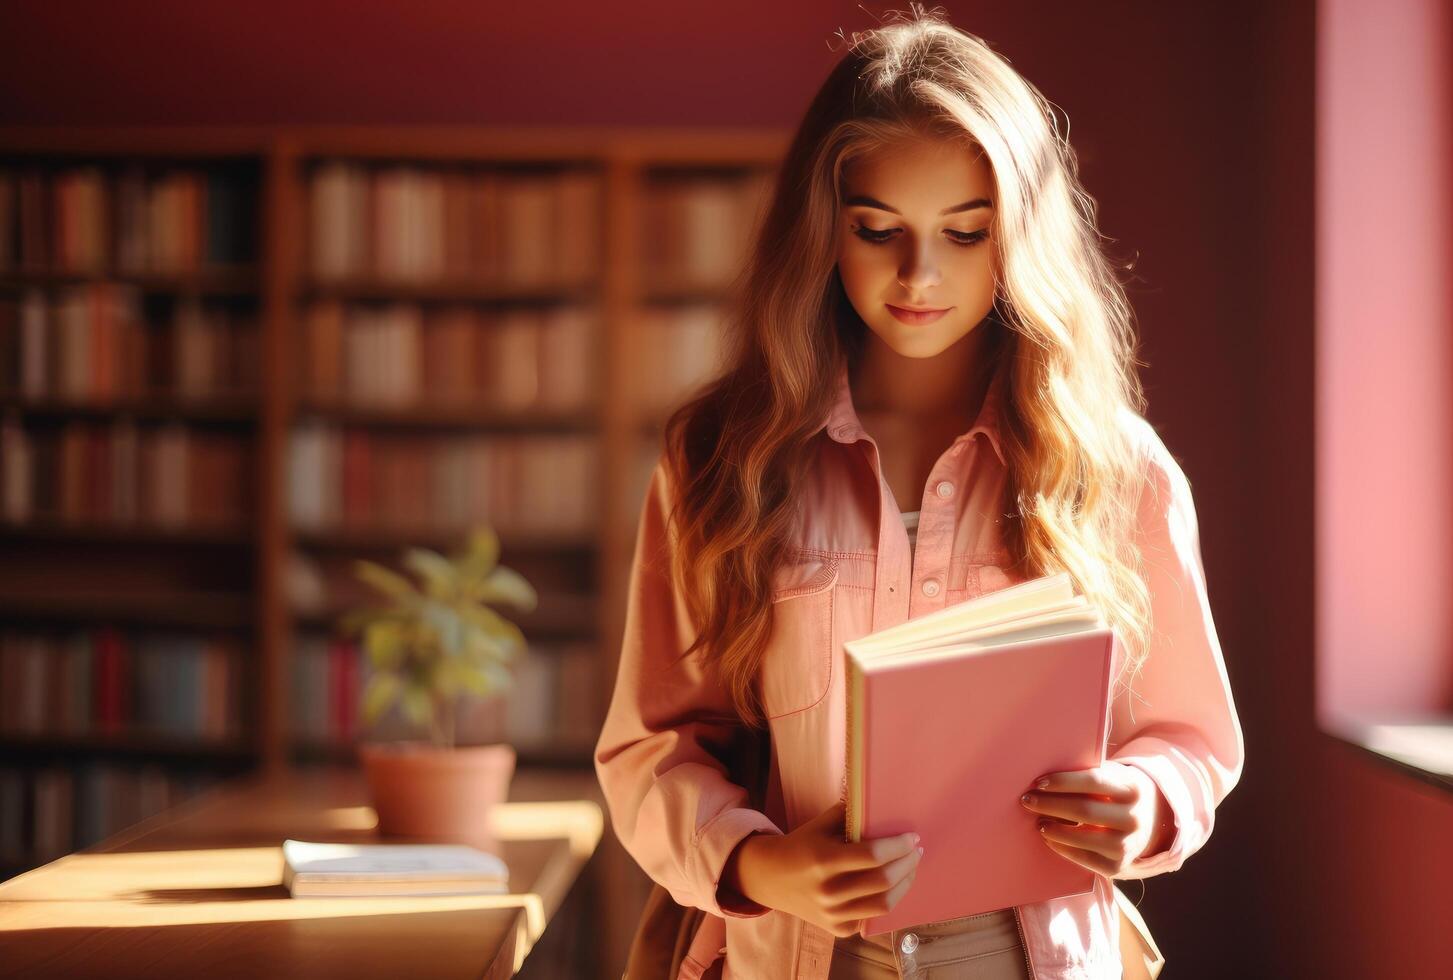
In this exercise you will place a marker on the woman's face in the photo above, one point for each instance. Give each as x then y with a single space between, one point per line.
913 235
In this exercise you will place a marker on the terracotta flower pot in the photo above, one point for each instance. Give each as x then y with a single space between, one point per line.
421 790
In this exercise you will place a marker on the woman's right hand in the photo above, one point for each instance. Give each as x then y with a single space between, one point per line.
815 875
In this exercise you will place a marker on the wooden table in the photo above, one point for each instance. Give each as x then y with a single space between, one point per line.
197 891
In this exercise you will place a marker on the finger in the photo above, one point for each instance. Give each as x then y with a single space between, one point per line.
1107 843
901 888
1102 781
1085 859
875 903
850 885
870 853
1081 809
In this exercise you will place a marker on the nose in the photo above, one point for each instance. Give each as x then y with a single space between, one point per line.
920 273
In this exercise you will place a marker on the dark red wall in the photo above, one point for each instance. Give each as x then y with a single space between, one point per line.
173 61
1194 125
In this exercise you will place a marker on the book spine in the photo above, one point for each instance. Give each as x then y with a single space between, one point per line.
1113 662
850 820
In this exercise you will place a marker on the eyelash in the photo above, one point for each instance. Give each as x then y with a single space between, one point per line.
873 237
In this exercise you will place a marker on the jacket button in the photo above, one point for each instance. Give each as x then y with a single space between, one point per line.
944 489
930 587
909 943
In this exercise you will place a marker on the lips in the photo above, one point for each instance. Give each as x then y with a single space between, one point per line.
915 317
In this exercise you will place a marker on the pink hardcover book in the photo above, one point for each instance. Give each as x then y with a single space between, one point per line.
953 715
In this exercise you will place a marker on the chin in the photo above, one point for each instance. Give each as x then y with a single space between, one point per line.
919 342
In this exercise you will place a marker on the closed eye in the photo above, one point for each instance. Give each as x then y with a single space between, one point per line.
964 238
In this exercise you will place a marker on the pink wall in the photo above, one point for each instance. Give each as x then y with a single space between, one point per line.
1350 877
1384 356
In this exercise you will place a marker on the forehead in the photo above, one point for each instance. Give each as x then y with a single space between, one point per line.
923 175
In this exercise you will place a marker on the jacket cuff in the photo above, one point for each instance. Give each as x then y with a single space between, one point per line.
714 844
1142 753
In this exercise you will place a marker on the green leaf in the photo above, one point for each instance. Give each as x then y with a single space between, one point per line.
468 678
355 621
446 678
475 680
389 582
500 678
493 624
383 691
505 585
386 643
481 555
445 624
418 706
438 573
484 646
435 638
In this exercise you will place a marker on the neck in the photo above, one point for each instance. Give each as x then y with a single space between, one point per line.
944 390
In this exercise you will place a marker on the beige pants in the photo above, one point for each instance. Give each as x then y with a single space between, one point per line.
976 947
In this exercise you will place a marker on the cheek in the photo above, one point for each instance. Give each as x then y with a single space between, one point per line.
970 275
864 269
978 269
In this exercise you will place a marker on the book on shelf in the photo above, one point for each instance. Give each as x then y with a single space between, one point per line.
552 697
698 227
124 473
680 348
328 678
951 717
91 344
404 355
552 700
346 477
420 223
123 218
327 870
66 683
50 810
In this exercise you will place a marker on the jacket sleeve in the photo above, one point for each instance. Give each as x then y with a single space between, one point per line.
1178 722
673 803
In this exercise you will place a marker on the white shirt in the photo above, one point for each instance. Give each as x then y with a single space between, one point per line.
910 521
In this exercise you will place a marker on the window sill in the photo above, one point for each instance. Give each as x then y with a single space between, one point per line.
1419 746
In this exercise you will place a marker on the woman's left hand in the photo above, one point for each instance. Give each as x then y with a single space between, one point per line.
1120 812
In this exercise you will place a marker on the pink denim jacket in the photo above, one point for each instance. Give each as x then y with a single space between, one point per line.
677 809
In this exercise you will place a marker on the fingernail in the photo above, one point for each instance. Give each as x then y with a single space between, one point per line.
916 838
920 852
1042 783
1024 798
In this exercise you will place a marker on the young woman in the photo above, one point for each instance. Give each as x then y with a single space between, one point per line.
930 396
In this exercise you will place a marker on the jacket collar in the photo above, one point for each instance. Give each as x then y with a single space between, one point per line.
843 425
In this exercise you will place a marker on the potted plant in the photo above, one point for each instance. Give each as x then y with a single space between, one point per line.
431 644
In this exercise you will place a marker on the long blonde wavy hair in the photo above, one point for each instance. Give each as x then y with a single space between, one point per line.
736 452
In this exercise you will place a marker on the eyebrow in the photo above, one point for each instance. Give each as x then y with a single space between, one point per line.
870 202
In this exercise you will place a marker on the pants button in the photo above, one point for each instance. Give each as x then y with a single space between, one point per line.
910 942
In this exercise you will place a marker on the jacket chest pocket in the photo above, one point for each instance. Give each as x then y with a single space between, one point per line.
992 578
971 577
797 664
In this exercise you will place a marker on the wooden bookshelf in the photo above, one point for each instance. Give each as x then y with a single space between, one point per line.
216 409
700 186
139 745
